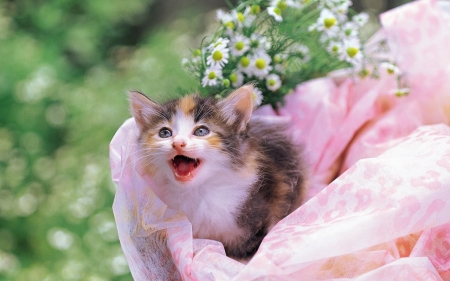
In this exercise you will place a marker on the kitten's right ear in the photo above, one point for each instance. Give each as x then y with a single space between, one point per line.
237 108
143 109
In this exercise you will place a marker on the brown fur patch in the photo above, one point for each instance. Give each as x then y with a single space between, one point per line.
148 141
251 162
187 104
214 141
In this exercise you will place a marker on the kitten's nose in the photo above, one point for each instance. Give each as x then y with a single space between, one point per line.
178 144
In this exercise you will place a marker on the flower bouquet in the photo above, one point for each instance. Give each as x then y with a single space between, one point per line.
282 44
380 165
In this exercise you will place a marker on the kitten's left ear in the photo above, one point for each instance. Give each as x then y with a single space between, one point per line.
238 107
143 109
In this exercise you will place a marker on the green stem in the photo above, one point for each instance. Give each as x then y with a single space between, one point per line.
203 54
309 15
229 4
243 4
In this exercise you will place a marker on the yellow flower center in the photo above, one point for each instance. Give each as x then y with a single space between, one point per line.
281 5
390 70
277 11
329 22
229 24
402 92
212 75
240 17
277 59
260 63
254 95
244 61
364 73
255 9
197 52
239 45
335 49
352 51
217 55
233 77
272 82
226 83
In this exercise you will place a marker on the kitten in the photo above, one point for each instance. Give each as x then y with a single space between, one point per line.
233 176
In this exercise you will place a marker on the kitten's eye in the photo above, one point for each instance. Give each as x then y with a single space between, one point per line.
201 131
165 133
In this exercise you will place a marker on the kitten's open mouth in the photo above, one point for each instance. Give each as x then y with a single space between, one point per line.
184 167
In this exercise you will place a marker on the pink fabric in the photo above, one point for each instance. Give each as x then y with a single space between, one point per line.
380 178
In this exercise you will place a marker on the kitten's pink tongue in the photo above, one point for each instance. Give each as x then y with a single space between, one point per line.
184 168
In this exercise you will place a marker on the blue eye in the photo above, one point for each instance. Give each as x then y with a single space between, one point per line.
165 133
201 131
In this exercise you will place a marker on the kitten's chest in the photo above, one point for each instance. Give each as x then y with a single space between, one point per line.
213 207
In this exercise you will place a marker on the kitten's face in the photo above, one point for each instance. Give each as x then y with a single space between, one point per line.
187 140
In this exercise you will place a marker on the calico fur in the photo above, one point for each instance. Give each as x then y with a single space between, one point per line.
250 174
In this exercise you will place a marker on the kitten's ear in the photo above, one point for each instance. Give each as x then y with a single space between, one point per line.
143 109
237 108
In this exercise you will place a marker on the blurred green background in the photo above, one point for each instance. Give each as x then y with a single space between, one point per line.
65 67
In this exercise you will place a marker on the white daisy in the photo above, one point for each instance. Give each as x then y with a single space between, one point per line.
361 19
239 45
333 3
327 23
275 12
279 60
257 96
299 48
283 4
225 18
278 3
352 51
278 67
390 68
222 16
220 43
245 65
261 64
259 42
327 20
273 82
341 10
296 4
349 30
218 57
212 75
335 48
237 79
245 18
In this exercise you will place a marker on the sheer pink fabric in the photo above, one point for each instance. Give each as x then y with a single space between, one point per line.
380 178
